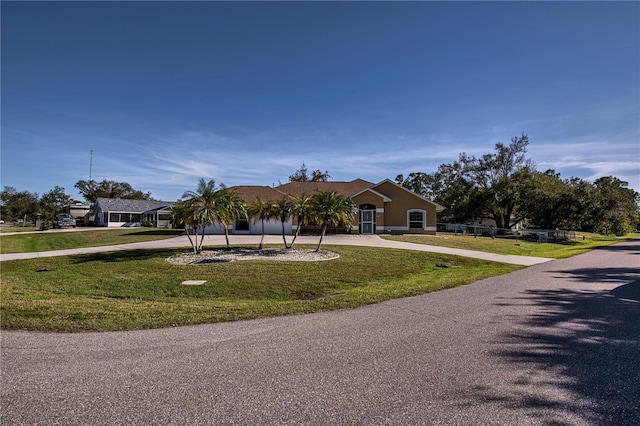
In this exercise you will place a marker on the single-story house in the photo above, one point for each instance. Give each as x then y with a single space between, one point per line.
242 226
118 212
385 207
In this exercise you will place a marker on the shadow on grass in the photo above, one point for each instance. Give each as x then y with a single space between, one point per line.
124 255
591 340
154 232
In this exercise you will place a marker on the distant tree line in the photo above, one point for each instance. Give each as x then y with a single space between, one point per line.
24 205
505 186
502 185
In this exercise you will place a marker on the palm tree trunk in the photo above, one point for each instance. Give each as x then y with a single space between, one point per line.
297 232
226 235
262 237
190 240
324 229
195 236
283 237
201 238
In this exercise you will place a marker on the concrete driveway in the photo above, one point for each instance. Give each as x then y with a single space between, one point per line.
236 240
557 343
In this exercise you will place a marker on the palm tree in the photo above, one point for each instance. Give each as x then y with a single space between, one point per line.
231 207
301 209
183 215
206 202
329 208
260 211
283 209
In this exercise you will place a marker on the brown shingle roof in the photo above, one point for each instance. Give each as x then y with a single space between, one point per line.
250 193
345 189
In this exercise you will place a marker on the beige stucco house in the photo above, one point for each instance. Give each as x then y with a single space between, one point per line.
381 208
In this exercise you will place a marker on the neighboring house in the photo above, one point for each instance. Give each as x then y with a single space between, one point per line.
79 212
385 207
118 212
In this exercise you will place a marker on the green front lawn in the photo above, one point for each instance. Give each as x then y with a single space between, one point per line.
512 246
138 289
29 243
17 228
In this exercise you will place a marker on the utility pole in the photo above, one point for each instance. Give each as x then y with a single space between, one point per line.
90 166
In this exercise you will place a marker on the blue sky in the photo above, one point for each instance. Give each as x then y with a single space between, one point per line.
243 92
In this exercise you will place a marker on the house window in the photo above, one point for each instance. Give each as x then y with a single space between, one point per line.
124 217
416 220
242 225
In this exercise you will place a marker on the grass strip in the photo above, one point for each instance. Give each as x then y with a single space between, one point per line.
30 243
511 246
138 289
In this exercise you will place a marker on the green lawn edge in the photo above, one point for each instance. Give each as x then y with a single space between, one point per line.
138 289
512 246
47 241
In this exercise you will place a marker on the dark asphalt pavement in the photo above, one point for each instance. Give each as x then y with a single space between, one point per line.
554 344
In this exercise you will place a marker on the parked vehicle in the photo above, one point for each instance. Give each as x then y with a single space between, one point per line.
64 220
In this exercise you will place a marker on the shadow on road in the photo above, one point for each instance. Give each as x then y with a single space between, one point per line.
590 340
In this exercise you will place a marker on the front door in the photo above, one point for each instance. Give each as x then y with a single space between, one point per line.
367 221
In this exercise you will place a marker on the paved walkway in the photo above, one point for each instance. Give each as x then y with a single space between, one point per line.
350 240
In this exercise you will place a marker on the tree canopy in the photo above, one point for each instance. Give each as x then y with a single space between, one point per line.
92 190
16 205
505 186
302 175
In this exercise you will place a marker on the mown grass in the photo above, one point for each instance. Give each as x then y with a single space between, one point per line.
511 246
17 228
139 289
29 243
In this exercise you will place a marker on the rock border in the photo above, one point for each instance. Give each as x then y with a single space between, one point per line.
234 254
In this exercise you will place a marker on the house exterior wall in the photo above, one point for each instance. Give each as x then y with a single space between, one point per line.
397 209
396 213
373 199
271 227
114 212
97 221
120 223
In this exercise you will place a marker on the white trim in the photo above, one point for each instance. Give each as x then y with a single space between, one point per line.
362 222
384 197
424 218
380 210
404 228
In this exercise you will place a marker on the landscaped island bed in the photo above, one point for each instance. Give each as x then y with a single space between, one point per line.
139 289
234 254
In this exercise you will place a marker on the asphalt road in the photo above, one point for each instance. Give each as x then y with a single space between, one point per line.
557 343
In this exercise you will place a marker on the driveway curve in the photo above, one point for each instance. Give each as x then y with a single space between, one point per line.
354 240
556 343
